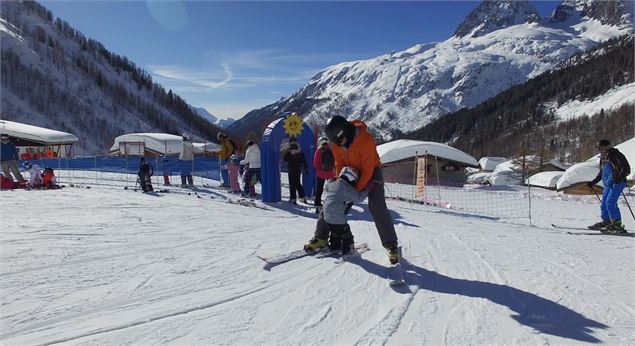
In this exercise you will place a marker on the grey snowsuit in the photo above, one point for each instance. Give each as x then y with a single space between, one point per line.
332 222
339 195
377 207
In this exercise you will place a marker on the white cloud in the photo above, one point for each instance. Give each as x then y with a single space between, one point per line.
183 76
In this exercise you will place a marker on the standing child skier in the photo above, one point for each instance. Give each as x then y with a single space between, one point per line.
167 171
145 175
324 164
233 169
340 196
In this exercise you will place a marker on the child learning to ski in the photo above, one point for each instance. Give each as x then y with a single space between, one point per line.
145 175
353 146
339 198
233 168
35 175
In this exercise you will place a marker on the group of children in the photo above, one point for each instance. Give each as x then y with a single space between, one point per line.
250 170
38 178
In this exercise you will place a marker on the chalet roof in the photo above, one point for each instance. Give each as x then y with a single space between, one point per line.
406 148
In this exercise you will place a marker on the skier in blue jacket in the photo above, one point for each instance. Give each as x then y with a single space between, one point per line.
614 169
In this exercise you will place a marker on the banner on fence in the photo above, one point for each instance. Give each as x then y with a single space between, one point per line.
421 177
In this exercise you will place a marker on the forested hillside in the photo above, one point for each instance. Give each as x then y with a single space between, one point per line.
522 118
54 76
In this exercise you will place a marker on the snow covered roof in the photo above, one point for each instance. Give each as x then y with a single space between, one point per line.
405 148
33 135
532 163
578 173
161 143
589 169
490 163
545 179
628 149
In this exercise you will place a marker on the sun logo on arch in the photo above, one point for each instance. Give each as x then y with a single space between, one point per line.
293 125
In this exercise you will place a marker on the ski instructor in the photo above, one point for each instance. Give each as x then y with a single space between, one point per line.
353 146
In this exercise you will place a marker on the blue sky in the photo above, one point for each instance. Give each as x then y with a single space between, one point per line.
233 57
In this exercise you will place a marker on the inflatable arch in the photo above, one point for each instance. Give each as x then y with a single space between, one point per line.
276 134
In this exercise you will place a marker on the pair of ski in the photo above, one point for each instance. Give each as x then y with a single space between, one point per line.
322 253
246 202
395 275
596 231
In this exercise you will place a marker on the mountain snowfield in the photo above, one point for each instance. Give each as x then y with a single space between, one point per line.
613 99
408 89
111 266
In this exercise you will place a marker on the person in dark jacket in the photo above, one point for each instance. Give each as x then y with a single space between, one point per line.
296 164
9 158
613 171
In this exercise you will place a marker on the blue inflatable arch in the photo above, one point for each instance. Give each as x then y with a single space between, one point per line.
273 137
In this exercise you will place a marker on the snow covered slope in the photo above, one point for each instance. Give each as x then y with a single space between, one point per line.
500 44
53 76
222 123
138 269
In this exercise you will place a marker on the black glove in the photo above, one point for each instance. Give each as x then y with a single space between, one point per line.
589 184
349 205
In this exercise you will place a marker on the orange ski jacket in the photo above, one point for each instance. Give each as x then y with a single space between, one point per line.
361 155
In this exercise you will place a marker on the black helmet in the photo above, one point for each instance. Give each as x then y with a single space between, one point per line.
604 143
338 127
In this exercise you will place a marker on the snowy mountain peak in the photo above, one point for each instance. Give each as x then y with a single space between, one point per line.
492 15
618 13
222 123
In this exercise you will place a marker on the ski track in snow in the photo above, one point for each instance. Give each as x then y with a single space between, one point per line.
180 269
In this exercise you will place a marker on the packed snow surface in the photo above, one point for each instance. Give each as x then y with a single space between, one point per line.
107 265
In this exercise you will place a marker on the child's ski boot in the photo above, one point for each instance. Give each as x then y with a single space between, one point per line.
315 244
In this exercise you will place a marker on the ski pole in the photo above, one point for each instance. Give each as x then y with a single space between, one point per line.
596 195
628 205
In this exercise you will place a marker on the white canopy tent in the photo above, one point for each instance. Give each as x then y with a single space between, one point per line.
27 136
155 144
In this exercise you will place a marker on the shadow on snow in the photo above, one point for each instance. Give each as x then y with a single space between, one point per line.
529 309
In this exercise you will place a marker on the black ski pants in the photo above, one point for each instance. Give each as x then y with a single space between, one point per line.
319 189
295 185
